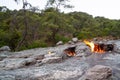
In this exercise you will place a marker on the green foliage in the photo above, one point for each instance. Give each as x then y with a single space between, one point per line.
36 44
3 38
62 38
25 29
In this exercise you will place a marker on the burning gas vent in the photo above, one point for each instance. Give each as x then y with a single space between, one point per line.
95 48
99 47
70 51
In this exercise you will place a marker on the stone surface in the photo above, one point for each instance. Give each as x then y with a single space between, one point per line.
50 54
64 75
82 50
117 46
7 77
99 72
16 63
39 64
52 60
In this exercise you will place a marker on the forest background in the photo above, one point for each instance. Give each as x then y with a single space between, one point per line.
30 27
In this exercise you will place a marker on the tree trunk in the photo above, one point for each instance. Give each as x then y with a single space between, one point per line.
24 33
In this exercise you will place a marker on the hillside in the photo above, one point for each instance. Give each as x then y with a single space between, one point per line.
26 29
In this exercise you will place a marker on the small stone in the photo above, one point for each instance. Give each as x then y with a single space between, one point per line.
70 42
75 40
59 43
95 39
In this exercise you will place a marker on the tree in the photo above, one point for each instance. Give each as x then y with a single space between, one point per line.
26 28
25 4
54 23
57 4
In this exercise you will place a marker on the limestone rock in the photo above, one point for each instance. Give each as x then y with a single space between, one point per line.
117 47
99 72
5 48
70 42
14 63
66 75
37 57
52 60
59 43
7 77
82 50
38 64
29 61
75 40
50 54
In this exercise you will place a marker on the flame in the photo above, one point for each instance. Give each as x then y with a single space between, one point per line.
94 47
69 53
90 44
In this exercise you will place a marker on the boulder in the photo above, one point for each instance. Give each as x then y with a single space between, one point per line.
5 48
29 61
67 75
117 46
14 63
82 50
59 43
98 72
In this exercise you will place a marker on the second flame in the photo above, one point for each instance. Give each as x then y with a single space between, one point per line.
94 47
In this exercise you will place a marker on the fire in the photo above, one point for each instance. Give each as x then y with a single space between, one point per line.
94 47
90 44
70 51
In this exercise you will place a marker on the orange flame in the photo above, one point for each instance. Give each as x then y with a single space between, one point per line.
94 47
69 53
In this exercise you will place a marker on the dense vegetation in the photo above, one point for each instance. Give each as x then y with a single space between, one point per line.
24 29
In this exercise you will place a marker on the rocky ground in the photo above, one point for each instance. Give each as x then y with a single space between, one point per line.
53 64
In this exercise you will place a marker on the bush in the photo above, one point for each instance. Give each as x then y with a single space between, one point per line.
36 44
4 38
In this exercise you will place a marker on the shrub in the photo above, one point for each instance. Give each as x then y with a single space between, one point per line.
36 44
